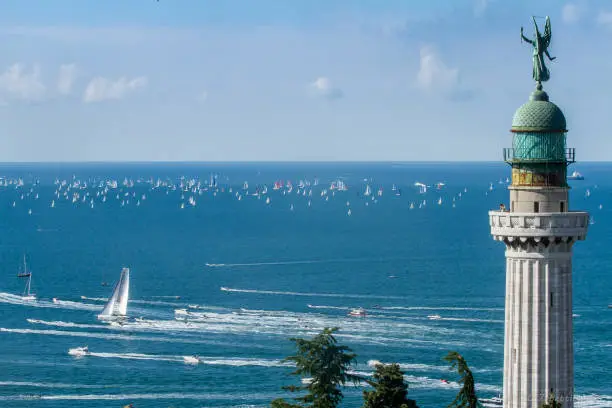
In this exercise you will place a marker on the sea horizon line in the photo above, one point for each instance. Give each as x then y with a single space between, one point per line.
261 162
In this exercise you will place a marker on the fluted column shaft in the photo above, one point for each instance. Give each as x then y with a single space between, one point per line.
538 346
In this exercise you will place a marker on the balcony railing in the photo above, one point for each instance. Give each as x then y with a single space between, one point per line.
512 155
511 224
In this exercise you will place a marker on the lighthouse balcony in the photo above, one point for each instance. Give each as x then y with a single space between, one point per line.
572 224
531 155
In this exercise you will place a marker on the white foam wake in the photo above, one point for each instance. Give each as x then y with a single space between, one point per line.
437 383
410 367
95 299
223 361
593 401
302 262
107 336
329 307
283 293
138 301
50 385
248 322
467 319
67 324
148 396
59 304
166 297
478 309
585 401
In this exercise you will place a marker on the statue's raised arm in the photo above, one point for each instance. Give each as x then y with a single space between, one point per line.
540 45
523 38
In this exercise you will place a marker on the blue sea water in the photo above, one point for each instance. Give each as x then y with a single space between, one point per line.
261 273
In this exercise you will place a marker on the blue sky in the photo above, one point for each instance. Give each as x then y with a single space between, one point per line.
229 80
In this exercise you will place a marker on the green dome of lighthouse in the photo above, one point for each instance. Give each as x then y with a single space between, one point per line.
539 115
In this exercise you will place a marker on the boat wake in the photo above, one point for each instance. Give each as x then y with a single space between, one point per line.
467 319
411 367
246 322
67 324
149 396
283 293
303 262
113 336
224 361
476 309
51 385
58 304
139 301
329 307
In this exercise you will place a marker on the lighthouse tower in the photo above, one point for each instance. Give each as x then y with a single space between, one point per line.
538 230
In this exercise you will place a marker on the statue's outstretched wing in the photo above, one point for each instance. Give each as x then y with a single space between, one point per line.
547 33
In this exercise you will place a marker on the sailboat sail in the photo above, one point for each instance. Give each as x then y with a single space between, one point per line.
117 303
26 274
122 299
26 291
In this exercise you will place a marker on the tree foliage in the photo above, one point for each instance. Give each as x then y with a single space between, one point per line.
390 389
466 398
552 402
324 365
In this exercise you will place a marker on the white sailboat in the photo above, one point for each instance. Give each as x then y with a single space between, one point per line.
116 307
26 274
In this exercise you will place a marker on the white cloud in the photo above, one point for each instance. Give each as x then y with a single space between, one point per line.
100 88
323 87
66 77
605 18
572 13
433 74
480 6
203 96
435 77
17 83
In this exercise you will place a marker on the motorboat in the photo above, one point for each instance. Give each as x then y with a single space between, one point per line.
434 317
79 351
191 359
493 402
359 312
575 176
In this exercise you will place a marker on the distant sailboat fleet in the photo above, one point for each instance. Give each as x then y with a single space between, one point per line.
115 310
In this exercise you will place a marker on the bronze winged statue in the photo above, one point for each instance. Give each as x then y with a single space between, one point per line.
540 45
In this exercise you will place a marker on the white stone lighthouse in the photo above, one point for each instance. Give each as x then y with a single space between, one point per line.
539 231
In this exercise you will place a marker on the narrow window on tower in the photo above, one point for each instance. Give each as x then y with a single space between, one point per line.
551 299
562 206
536 206
512 206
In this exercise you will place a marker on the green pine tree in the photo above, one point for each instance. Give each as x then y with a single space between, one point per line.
325 364
466 398
390 389
552 402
